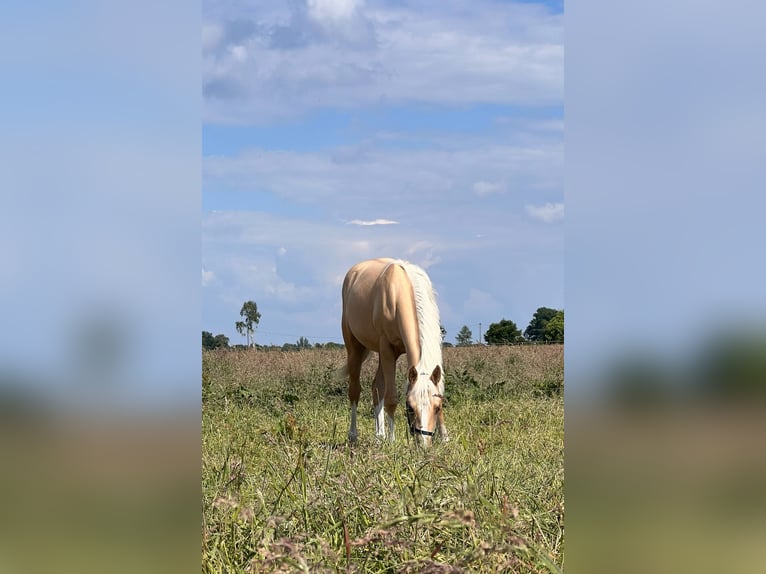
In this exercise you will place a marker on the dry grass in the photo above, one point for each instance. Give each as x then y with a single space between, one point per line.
282 491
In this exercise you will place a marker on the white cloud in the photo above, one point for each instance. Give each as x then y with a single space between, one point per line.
423 253
548 213
482 188
373 222
247 246
207 277
259 275
344 55
328 248
383 177
332 9
239 53
341 53
244 249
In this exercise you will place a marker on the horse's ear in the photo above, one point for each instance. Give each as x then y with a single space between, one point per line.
436 375
412 375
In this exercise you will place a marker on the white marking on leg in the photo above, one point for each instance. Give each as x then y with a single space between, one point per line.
352 429
390 421
380 426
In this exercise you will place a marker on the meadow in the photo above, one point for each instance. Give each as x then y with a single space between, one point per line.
282 491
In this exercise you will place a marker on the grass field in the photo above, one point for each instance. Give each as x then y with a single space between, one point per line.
283 491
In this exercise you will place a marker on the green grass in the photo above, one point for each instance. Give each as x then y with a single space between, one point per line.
283 491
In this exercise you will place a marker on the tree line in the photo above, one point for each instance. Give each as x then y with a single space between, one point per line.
546 326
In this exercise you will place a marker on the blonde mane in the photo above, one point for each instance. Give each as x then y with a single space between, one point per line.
429 326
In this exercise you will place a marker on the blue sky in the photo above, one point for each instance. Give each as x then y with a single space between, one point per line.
339 130
665 140
100 218
104 169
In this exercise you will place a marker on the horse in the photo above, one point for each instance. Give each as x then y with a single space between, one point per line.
389 307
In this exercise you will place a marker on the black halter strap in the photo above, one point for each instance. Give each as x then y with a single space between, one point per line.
413 429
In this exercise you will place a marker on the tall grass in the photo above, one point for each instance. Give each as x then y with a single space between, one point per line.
283 491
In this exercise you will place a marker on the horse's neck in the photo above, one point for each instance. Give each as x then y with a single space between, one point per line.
422 356
427 361
411 338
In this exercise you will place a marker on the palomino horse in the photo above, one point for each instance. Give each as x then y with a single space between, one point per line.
389 308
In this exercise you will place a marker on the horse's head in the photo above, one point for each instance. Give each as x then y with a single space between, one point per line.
424 402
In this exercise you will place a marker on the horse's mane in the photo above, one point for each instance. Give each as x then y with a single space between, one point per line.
429 326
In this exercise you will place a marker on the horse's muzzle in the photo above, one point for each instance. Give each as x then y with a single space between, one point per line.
413 429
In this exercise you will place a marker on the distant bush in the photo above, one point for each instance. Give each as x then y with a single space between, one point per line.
210 342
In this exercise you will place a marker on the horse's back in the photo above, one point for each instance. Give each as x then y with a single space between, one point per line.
359 284
362 270
369 293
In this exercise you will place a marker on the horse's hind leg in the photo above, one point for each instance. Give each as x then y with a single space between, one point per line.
355 355
388 358
355 360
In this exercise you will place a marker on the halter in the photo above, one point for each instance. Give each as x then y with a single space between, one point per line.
413 429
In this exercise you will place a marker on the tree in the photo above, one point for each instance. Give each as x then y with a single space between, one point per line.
443 332
208 341
535 331
502 333
303 343
332 345
554 329
464 336
241 329
251 318
731 365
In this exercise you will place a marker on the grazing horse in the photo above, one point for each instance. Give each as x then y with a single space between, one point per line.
389 308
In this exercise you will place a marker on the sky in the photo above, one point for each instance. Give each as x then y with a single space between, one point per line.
665 139
99 225
340 130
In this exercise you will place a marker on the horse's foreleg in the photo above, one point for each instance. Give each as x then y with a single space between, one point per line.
390 397
378 394
442 428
